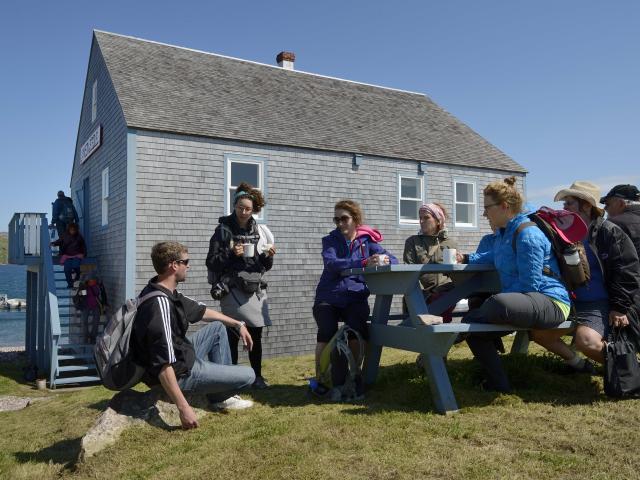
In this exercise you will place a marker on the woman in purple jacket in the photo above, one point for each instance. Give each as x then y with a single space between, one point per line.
344 298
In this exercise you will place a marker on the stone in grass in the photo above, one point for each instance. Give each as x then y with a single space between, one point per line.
10 403
129 408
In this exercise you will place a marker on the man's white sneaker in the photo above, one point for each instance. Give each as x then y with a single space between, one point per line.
233 403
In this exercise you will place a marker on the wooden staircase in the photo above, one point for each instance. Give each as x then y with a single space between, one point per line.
76 365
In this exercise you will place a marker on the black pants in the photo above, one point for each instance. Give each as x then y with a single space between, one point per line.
529 310
255 355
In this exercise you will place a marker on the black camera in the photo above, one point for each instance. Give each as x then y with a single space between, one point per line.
219 290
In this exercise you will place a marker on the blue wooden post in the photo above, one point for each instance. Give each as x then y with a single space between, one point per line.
42 319
32 316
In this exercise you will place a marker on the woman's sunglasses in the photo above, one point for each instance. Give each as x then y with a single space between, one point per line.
342 219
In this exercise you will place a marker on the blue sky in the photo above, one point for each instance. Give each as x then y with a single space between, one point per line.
554 84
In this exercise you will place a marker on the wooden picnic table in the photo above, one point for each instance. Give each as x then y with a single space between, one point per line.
433 341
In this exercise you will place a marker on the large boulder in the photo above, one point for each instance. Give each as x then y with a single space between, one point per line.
129 408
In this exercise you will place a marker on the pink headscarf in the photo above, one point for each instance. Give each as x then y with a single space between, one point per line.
435 211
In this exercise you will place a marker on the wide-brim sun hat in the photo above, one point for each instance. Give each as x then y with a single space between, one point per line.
584 190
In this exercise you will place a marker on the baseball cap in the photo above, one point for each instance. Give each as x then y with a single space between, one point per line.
628 192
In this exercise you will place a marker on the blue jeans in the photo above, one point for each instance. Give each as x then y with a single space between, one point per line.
212 373
90 330
71 266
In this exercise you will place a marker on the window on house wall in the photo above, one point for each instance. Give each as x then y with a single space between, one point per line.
94 101
105 196
243 169
465 203
410 190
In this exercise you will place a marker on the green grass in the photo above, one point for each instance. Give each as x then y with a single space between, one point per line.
4 241
553 426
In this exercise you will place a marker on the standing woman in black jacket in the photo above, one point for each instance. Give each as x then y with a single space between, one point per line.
240 252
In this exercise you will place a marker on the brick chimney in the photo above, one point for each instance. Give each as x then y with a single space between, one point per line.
286 59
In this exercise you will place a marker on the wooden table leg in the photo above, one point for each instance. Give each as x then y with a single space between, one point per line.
381 309
521 342
441 391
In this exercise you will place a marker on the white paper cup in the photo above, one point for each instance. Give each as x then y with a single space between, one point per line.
381 259
449 256
249 249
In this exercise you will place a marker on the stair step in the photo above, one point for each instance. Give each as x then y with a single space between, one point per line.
75 346
72 380
76 368
75 356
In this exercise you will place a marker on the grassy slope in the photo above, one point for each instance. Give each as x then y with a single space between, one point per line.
554 426
3 248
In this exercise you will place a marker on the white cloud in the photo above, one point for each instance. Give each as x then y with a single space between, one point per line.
544 195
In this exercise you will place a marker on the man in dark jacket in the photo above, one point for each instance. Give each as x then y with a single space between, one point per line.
622 204
200 363
63 213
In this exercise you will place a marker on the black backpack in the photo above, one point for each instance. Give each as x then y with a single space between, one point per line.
67 212
622 369
571 256
112 352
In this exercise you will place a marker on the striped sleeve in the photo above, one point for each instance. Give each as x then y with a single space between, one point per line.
159 336
165 312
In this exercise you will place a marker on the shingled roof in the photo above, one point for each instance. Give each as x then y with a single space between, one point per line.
173 89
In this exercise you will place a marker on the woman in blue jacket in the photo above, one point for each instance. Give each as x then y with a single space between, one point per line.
344 298
529 298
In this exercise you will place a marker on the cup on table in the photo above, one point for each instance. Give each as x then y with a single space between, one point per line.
382 259
449 256
249 249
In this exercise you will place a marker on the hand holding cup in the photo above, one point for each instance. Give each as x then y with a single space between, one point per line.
377 259
238 249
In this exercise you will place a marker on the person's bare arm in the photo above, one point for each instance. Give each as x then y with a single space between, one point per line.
213 316
169 382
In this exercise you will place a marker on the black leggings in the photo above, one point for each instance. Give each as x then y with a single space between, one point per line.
255 355
529 310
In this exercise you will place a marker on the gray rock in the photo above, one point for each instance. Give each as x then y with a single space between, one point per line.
130 408
9 403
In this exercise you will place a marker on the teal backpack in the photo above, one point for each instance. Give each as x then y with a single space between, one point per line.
337 362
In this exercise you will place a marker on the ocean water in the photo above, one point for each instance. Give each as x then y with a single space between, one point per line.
13 282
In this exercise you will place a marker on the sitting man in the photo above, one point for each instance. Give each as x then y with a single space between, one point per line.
199 364
622 204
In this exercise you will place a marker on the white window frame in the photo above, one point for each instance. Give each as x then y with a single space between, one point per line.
420 199
105 196
246 159
474 196
94 101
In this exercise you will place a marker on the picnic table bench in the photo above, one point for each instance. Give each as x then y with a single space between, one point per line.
433 341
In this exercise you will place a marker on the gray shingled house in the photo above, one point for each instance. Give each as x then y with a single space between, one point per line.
166 133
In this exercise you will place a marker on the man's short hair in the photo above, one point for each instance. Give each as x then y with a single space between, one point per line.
60 193
163 253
